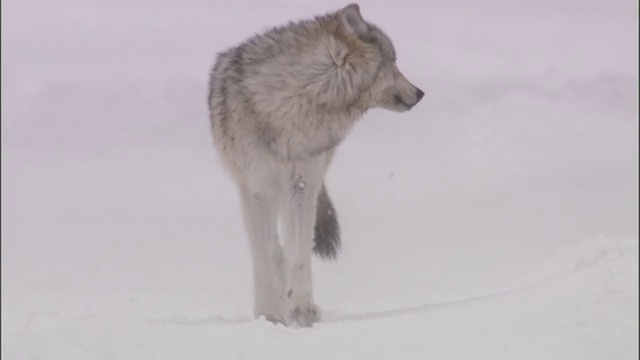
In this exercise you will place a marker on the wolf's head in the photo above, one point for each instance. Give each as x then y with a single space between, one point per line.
370 55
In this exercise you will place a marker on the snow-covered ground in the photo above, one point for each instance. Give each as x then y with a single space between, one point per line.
496 220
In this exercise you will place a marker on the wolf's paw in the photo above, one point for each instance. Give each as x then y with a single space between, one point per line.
272 314
304 316
276 320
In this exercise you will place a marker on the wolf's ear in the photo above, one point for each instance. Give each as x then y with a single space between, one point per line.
352 20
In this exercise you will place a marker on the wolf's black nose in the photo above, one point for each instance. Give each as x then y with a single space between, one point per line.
419 94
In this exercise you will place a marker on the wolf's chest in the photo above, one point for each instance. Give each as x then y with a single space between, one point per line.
306 138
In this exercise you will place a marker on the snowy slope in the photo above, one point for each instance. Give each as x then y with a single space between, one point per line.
496 220
588 311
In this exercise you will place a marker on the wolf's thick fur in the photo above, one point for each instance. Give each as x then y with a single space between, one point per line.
280 103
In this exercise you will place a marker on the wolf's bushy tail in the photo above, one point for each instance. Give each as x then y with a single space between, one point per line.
327 231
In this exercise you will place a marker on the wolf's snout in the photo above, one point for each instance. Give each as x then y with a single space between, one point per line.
419 94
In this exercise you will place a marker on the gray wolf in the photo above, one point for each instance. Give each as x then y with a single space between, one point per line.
280 103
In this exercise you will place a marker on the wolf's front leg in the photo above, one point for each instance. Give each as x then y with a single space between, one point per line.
260 215
298 220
